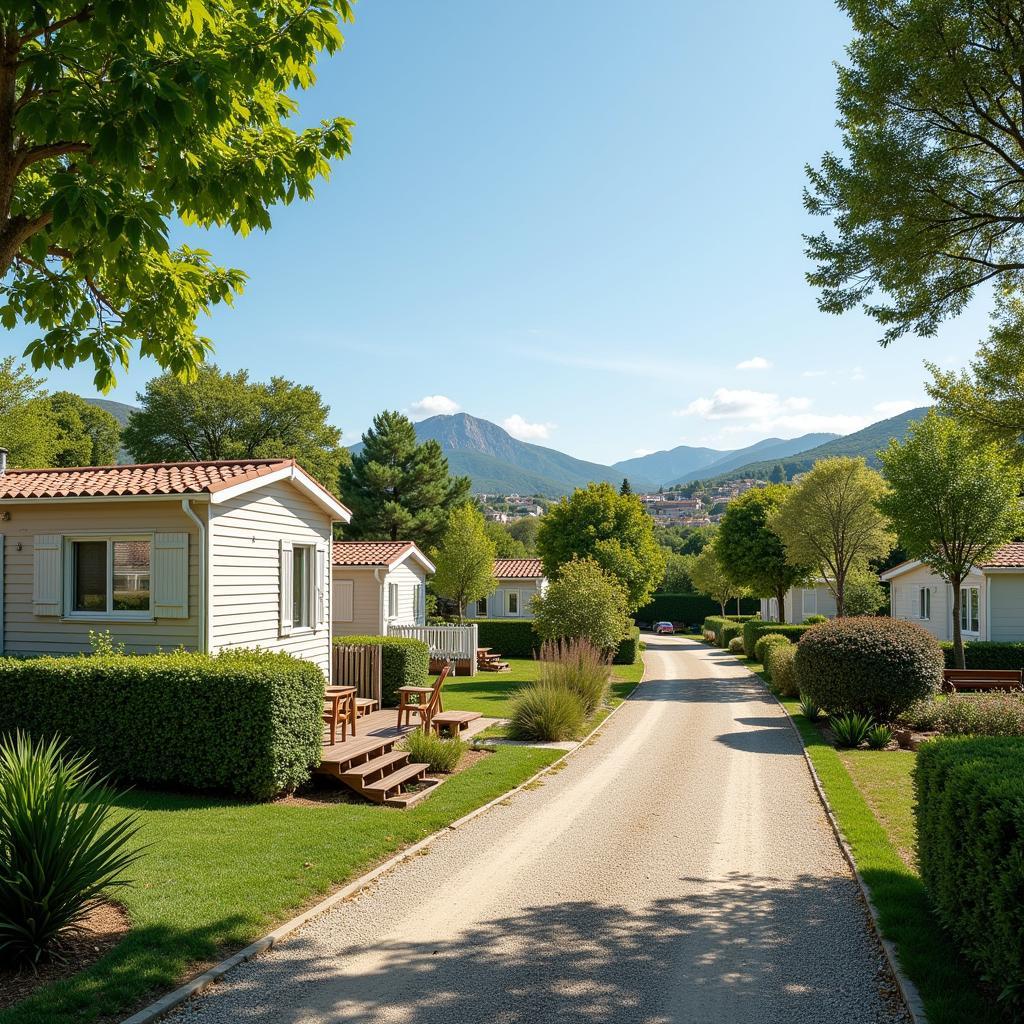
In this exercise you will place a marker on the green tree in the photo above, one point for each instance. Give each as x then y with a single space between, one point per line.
28 428
750 552
625 487
582 603
678 574
525 531
398 488
952 499
864 594
711 579
778 474
831 522
227 416
505 545
926 203
464 559
90 436
613 529
117 117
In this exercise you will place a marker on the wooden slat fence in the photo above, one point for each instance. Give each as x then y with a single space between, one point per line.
359 666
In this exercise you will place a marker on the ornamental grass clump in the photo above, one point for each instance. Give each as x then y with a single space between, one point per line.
442 755
546 713
850 729
577 666
62 846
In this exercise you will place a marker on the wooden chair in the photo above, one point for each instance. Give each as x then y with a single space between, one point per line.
333 716
421 700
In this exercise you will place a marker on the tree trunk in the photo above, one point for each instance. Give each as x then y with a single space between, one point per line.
959 659
840 595
721 604
780 597
738 612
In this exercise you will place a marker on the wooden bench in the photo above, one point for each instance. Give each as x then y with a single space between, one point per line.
958 680
453 721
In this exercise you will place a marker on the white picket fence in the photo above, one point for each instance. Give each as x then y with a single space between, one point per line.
456 642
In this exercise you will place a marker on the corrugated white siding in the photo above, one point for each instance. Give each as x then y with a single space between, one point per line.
245 537
366 596
25 632
1007 603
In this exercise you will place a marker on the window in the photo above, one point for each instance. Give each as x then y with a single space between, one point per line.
925 606
109 576
417 603
302 574
392 610
481 608
970 608
512 602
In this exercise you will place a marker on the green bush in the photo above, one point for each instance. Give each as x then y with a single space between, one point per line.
428 748
686 609
782 670
62 845
766 641
850 729
977 714
628 651
879 737
969 810
511 638
546 713
814 620
577 666
731 631
988 654
869 666
404 661
736 645
754 629
719 624
247 722
809 709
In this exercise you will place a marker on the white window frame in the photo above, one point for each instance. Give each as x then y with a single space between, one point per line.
509 594
967 605
417 601
924 603
68 555
309 551
392 599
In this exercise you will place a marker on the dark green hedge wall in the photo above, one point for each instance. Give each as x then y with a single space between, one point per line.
248 723
512 638
754 629
988 654
628 652
687 609
404 662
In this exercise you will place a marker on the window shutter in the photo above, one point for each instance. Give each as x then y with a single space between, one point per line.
286 588
170 575
47 575
321 587
343 593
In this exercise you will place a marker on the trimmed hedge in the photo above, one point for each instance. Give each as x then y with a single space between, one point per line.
511 638
783 673
725 627
868 666
754 629
628 652
988 654
247 722
686 609
969 810
736 645
404 661
767 640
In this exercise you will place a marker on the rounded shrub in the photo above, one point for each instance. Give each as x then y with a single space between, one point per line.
783 672
548 713
736 645
868 666
766 641
813 620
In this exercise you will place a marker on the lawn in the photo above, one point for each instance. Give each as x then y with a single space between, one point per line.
217 874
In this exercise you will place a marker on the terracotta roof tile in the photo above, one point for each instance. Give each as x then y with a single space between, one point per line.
1009 556
369 552
159 478
518 569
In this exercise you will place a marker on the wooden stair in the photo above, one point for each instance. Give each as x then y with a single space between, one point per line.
375 770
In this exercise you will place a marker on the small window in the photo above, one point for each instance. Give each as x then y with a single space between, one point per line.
512 602
481 608
925 597
392 599
970 610
302 573
109 576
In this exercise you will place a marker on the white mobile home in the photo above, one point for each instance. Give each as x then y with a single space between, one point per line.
206 556
520 580
801 602
378 584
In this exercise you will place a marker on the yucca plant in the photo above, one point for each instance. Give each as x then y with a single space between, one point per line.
428 748
851 729
62 845
879 737
577 666
809 709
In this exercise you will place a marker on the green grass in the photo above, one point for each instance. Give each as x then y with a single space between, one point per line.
219 873
905 916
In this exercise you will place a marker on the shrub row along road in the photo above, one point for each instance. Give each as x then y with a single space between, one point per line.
679 868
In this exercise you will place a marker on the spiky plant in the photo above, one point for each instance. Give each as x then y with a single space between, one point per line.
851 729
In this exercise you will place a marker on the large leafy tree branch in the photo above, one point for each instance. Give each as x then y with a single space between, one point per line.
116 116
928 202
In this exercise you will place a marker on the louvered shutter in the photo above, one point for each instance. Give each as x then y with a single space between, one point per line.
286 588
321 587
342 601
169 577
47 574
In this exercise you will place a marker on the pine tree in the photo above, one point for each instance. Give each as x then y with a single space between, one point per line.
397 488
626 488
778 474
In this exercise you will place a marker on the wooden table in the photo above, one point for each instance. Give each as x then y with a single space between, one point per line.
346 695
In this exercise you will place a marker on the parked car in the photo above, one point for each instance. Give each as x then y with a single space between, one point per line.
664 628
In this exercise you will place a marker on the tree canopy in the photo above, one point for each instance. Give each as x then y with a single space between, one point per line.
227 416
28 427
89 435
926 201
711 579
952 499
116 117
505 545
611 528
831 522
397 488
464 558
582 603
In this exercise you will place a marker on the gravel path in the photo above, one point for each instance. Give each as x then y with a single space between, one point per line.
679 869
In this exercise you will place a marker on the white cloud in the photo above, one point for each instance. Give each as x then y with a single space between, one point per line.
858 374
755 363
893 408
520 428
433 405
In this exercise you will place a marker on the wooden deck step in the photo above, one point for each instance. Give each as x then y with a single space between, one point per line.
404 800
345 753
405 774
393 759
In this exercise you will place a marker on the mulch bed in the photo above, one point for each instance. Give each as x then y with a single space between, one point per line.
101 930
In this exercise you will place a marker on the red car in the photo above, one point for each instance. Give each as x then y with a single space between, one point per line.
664 628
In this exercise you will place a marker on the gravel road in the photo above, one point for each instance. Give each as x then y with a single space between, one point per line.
678 869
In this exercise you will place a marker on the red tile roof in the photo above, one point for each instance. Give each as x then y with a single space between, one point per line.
158 478
1009 556
369 552
518 569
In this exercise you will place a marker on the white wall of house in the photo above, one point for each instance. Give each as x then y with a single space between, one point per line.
37 615
252 538
500 605
1004 601
367 600
800 603
935 611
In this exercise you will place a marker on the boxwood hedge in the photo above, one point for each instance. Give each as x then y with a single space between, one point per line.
988 654
970 846
628 652
405 661
725 627
754 629
243 722
511 638
685 609
767 640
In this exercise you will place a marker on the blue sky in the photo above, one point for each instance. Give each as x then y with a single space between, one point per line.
581 220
